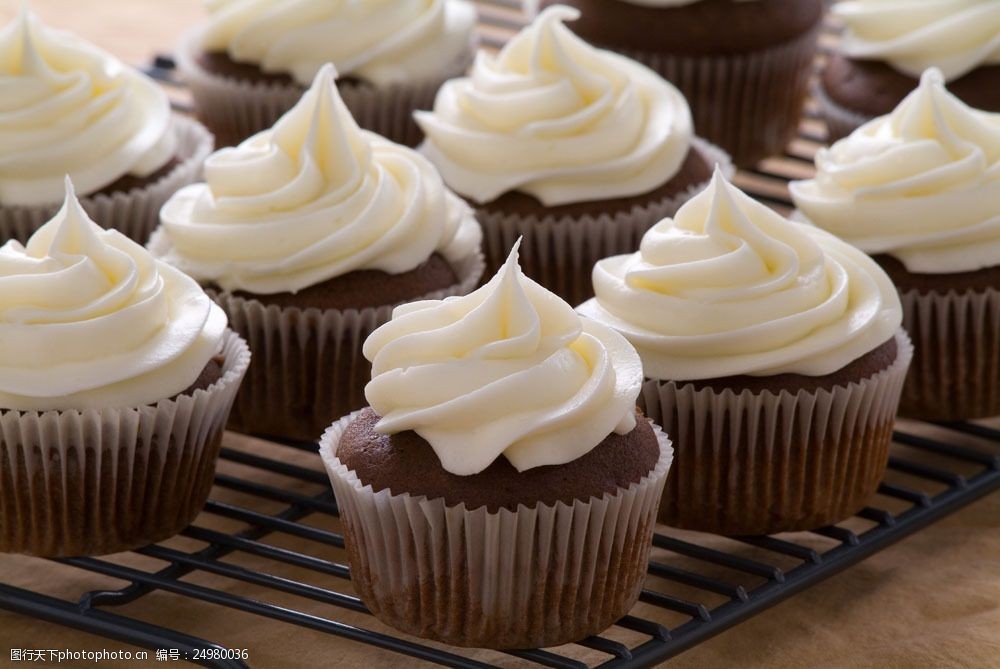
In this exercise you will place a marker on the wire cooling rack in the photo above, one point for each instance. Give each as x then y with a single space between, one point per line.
281 541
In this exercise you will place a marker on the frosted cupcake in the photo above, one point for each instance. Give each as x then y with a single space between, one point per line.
308 234
773 357
66 107
117 374
919 190
501 441
253 59
886 46
576 150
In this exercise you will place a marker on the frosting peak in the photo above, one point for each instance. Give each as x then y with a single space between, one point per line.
921 184
729 287
312 198
556 118
88 319
68 107
509 369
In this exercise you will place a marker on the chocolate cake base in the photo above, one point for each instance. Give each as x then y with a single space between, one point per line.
128 182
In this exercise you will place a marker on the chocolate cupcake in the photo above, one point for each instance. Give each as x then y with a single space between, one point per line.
117 374
574 150
743 65
919 190
307 235
252 61
70 108
888 44
773 357
501 490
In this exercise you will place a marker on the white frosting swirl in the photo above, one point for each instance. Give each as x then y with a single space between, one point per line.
88 319
67 107
509 369
956 36
380 41
313 198
729 287
921 184
556 118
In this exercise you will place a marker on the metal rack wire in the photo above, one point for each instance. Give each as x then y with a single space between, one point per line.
695 588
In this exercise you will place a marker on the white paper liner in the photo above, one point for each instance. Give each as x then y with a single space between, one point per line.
766 463
560 253
308 368
537 577
235 110
135 213
956 369
840 121
750 104
102 481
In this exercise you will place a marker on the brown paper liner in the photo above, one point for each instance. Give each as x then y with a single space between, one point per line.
840 121
560 253
766 463
540 576
234 110
749 103
308 368
102 481
135 213
956 368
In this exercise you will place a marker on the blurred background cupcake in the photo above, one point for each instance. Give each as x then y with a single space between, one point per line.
574 150
501 441
919 190
69 108
117 373
308 234
773 357
252 60
743 65
887 44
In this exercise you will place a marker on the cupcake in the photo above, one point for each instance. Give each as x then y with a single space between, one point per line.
501 489
253 59
744 65
117 373
67 107
773 357
577 151
886 46
919 190
308 234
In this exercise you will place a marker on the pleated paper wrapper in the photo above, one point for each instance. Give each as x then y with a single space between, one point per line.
102 481
956 368
234 110
560 253
135 213
535 577
840 121
766 463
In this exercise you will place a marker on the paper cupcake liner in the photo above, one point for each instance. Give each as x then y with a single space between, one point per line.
135 213
840 121
750 103
535 577
102 481
234 110
560 253
956 368
766 463
308 368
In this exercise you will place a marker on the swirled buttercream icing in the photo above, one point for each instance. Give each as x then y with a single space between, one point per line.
956 36
66 107
729 287
507 370
554 117
312 198
88 320
379 41
921 184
